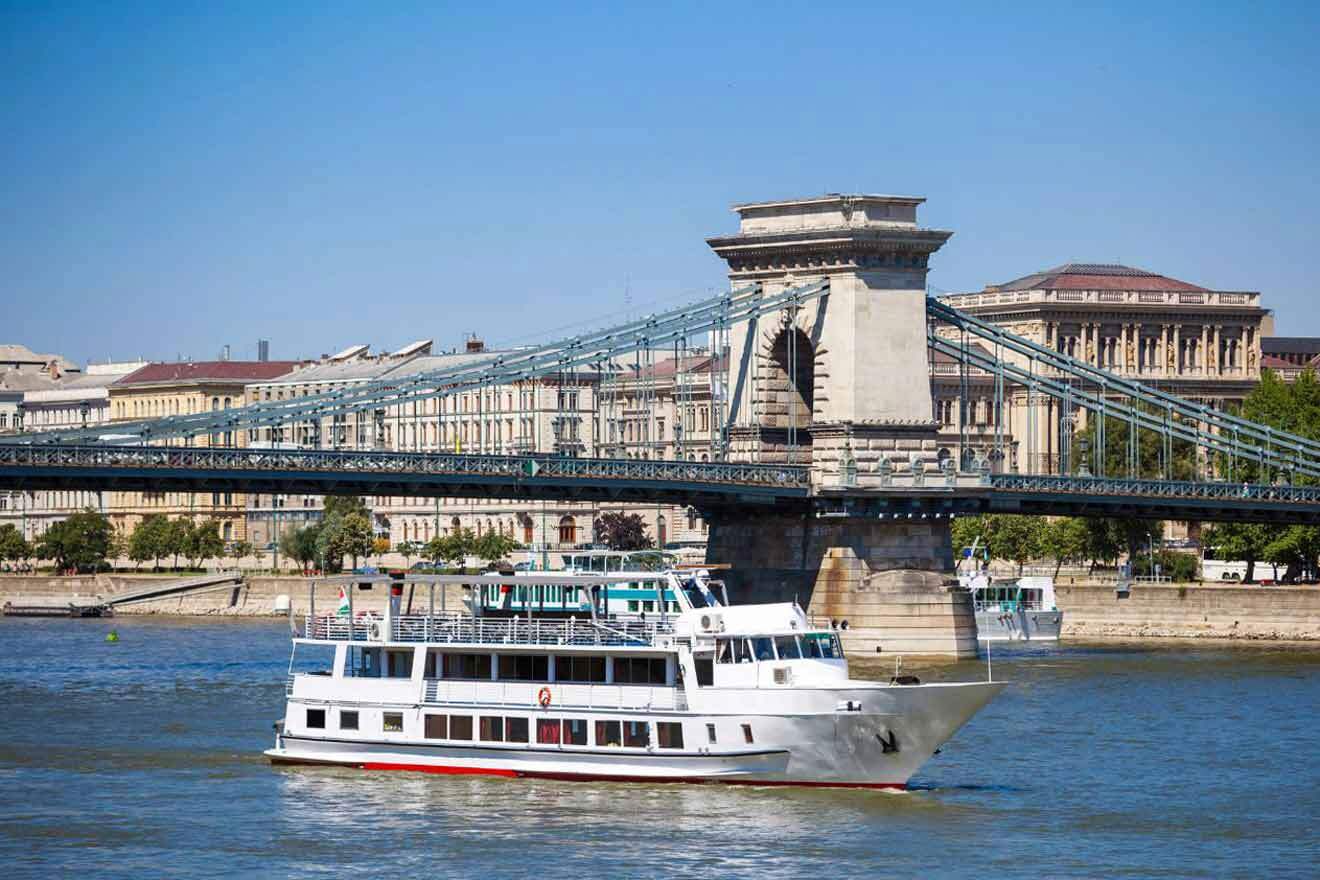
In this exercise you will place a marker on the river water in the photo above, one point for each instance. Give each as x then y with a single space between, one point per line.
143 757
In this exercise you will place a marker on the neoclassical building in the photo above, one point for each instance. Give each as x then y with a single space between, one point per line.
1189 340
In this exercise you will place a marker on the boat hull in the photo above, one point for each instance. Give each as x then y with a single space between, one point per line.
881 744
1019 626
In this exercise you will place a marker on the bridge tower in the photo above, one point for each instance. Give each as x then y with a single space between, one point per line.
840 384
845 374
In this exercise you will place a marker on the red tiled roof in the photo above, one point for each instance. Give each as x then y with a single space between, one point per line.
1095 276
209 371
1274 362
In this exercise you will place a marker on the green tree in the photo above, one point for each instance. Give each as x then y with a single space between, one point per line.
1246 542
150 540
176 539
346 535
82 542
408 549
1015 537
12 546
493 547
204 542
452 550
622 531
301 545
1066 540
241 550
344 505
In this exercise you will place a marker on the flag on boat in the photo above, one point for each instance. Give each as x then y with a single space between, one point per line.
343 602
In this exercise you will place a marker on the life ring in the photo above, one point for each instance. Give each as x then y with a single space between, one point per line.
543 697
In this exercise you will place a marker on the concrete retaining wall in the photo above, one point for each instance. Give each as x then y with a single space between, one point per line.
1191 611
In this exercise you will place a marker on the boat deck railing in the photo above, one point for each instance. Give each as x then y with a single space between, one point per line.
522 695
462 629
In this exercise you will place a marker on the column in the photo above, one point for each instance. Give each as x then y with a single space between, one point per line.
1204 364
1176 366
1217 365
1161 354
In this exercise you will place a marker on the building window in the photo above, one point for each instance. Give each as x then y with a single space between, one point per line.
492 728
515 730
393 722
460 727
567 530
316 719
747 733
609 733
348 720
437 727
669 734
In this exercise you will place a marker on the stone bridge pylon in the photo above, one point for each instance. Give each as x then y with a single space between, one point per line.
840 383
844 372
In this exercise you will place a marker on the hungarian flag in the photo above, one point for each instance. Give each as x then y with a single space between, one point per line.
343 603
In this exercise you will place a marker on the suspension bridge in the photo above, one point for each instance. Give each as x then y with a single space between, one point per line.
823 435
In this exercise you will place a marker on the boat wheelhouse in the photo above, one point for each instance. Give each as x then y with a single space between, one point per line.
713 693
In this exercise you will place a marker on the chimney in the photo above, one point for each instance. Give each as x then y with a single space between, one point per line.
224 353
474 344
263 350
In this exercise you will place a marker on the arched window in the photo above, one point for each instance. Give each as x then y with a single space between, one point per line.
455 526
529 536
692 519
567 530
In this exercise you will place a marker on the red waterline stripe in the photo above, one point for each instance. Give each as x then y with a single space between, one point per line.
599 777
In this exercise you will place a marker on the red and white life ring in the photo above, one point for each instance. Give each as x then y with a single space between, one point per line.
543 697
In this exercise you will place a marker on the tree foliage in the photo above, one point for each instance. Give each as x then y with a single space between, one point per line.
622 531
241 550
150 540
301 544
13 548
203 542
1245 542
82 542
451 550
493 547
1066 539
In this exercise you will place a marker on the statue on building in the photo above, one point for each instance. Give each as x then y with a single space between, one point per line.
1130 357
1171 358
1090 351
1251 359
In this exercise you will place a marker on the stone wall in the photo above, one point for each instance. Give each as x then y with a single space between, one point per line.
880 582
1191 611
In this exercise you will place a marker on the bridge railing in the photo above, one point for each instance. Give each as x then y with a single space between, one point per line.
539 467
1154 488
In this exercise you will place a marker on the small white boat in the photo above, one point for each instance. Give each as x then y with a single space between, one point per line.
1023 610
746 694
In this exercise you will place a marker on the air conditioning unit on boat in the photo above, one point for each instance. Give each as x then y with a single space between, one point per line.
711 623
376 632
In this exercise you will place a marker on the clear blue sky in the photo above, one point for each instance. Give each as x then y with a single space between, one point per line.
181 176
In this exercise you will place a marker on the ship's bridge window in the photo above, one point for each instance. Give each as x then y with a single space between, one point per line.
787 647
525 667
821 645
639 670
763 647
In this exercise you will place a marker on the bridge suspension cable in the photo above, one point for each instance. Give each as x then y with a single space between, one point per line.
641 337
1082 384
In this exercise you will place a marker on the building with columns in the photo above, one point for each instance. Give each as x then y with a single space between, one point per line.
1192 341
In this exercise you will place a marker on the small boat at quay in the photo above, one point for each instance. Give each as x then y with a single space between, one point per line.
549 676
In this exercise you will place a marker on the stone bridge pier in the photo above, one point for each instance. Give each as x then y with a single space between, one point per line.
841 384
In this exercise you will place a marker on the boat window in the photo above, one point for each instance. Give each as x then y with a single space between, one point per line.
787 647
747 733
460 727
609 733
823 645
547 731
348 720
393 722
636 734
467 666
316 718
574 668
710 732
669 734
811 647
705 666
437 727
695 597
398 664
525 667
492 728
639 670
432 664
364 662
763 648
575 732
515 730
742 651
724 650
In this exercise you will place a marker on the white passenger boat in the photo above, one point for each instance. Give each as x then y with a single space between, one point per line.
1022 610
747 694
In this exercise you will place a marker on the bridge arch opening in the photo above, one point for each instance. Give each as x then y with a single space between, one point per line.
790 386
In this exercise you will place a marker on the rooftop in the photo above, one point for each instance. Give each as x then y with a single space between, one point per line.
1094 276
238 372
